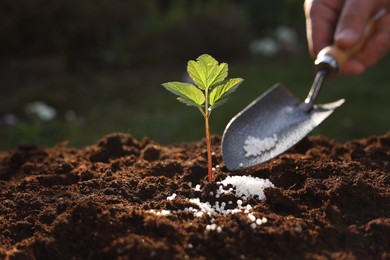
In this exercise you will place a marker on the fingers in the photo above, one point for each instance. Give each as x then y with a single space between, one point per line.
353 19
379 44
342 22
353 67
376 48
321 20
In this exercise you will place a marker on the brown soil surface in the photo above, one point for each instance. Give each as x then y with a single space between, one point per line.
330 200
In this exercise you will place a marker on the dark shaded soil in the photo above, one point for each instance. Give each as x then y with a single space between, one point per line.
330 201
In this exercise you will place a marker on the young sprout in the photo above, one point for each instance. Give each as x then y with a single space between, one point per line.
210 90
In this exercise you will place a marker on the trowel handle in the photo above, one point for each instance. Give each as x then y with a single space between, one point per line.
334 59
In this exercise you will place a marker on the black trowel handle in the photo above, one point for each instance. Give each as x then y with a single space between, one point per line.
333 59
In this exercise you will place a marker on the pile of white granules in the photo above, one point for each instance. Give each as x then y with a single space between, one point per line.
254 146
241 186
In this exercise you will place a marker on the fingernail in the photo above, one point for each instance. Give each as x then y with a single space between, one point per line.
346 36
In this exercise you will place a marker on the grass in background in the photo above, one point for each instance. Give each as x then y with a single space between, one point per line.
133 101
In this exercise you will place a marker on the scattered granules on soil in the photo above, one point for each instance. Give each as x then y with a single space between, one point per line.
329 200
242 187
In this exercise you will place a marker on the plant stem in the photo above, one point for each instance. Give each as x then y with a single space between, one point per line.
208 141
207 113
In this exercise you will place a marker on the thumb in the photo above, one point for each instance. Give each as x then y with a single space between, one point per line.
352 22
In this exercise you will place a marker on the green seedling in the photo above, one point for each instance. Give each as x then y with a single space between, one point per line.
210 90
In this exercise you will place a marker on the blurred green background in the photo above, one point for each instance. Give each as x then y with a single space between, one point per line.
77 70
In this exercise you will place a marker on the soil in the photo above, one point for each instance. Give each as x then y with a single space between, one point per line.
330 201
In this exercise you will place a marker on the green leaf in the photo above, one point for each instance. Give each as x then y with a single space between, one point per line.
220 92
188 93
220 102
206 72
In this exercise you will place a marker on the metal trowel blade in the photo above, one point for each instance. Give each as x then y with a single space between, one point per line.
276 114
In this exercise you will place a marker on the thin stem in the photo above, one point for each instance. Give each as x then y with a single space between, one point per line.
208 138
208 141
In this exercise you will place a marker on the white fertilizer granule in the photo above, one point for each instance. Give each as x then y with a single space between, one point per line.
254 146
172 197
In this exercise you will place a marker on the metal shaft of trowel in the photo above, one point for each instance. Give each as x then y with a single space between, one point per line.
325 66
315 89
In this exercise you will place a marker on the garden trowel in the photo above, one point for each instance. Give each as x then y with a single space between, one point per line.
277 120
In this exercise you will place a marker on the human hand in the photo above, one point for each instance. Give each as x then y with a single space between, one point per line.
342 22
